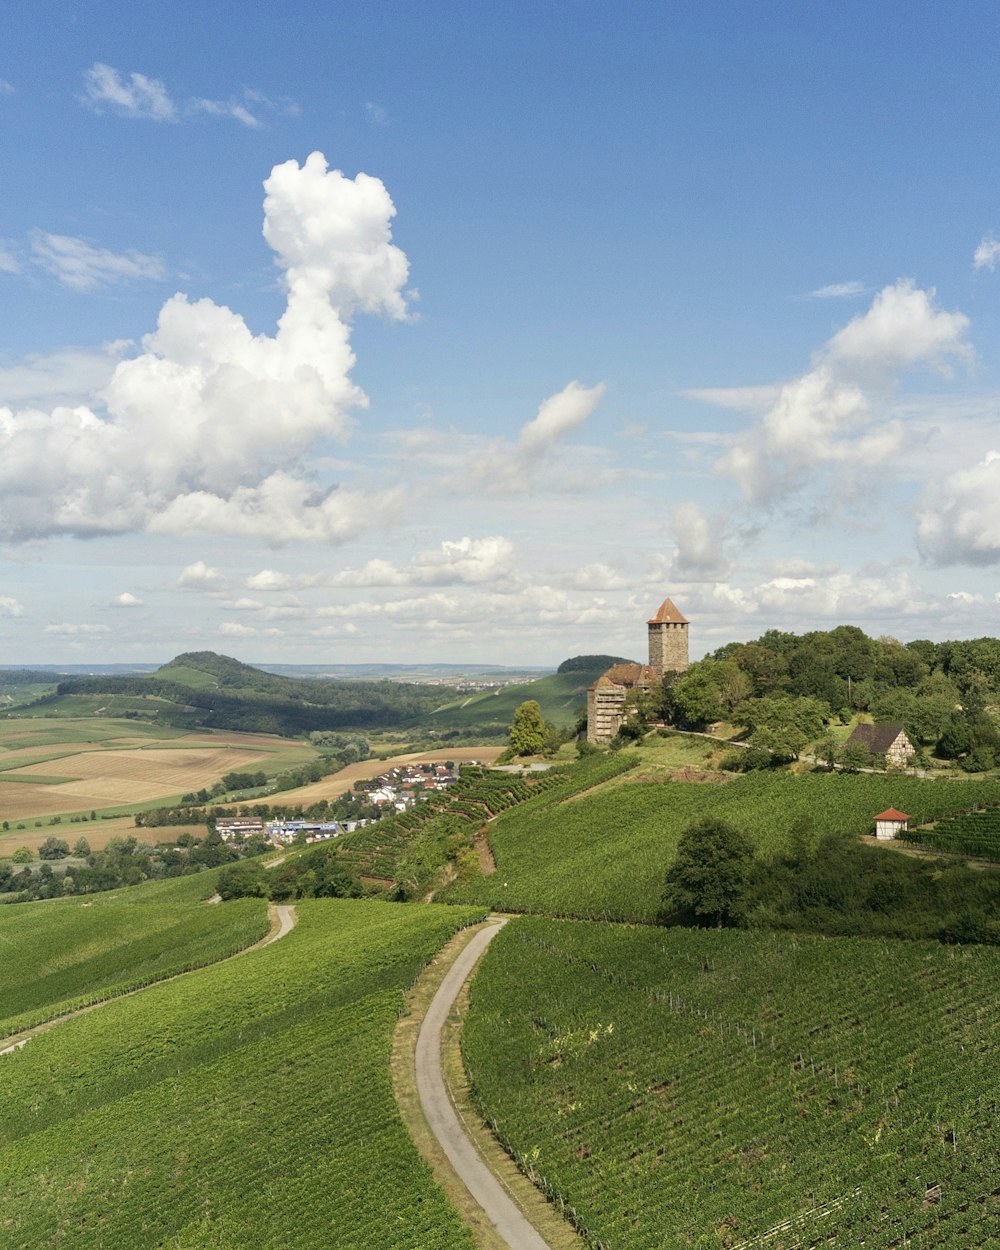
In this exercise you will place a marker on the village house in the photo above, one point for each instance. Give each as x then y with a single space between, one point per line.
889 740
236 828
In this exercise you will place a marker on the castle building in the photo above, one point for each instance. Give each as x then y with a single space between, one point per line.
668 653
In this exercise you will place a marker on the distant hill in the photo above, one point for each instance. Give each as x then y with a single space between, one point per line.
561 696
590 663
203 688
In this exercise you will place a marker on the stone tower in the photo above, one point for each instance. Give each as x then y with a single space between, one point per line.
668 640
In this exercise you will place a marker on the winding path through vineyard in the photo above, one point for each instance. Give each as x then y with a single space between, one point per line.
442 1117
282 917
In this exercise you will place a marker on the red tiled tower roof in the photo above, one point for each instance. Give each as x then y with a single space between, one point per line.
667 614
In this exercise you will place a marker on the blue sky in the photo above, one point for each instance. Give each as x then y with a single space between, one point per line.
604 303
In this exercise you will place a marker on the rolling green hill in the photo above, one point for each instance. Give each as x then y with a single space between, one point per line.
603 855
202 688
561 697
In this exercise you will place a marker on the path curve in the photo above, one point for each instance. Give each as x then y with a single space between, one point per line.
442 1116
282 917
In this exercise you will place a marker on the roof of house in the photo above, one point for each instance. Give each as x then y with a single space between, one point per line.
667 614
890 813
877 738
631 674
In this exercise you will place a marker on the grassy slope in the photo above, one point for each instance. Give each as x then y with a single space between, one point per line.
263 1093
679 1087
603 856
72 951
561 696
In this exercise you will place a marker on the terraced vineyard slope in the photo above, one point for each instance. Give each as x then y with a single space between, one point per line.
248 1104
726 1089
603 855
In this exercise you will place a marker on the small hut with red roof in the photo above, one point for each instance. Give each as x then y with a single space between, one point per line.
889 823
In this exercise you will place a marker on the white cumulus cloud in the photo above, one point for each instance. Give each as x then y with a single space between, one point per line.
127 600
10 606
825 416
207 428
958 520
558 415
199 576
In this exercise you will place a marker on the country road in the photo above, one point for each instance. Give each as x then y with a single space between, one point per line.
442 1117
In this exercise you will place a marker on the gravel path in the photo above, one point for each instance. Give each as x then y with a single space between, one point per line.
442 1116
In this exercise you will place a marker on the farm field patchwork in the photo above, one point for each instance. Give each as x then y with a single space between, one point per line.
604 855
67 767
72 951
263 1090
729 1089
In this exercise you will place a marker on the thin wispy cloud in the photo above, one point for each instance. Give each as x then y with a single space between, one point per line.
140 97
376 114
225 108
132 95
8 261
82 267
987 253
6 88
838 290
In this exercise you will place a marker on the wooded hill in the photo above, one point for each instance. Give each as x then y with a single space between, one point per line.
216 691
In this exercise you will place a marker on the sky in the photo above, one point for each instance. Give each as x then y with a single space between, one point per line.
384 332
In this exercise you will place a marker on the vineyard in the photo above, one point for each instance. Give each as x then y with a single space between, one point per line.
377 850
972 833
249 1104
603 857
725 1089
71 952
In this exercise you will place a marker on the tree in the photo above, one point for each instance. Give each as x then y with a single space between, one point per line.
22 855
527 730
243 880
711 877
782 724
81 848
53 848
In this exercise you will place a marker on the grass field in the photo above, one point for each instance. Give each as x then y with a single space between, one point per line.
60 767
724 1089
72 951
604 854
248 1104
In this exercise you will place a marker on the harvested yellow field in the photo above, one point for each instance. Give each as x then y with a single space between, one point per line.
339 783
98 834
105 778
